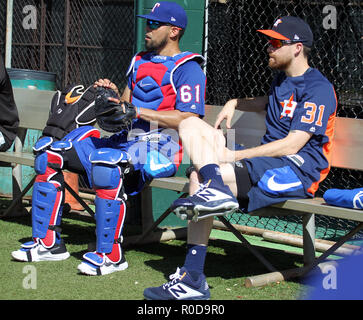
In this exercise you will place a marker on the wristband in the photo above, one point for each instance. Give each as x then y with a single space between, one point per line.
138 112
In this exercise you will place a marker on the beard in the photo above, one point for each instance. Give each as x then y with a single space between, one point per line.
154 45
279 63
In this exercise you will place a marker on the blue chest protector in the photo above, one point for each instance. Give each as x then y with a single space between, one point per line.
151 81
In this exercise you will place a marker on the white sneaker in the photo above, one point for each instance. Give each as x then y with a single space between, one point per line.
34 251
96 265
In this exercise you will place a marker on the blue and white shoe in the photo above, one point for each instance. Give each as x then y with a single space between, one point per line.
96 264
205 202
181 287
33 251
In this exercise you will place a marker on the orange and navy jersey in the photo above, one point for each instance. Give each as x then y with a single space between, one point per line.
306 103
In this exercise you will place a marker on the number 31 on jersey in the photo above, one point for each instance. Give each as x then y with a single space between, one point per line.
313 113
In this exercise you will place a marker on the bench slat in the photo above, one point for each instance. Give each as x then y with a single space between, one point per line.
318 206
23 158
178 184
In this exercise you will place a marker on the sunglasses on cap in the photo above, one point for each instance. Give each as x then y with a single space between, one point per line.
277 43
153 25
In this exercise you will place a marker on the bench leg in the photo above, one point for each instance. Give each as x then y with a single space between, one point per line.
147 230
309 238
147 218
149 225
16 200
17 169
303 271
309 257
79 199
334 247
252 249
18 208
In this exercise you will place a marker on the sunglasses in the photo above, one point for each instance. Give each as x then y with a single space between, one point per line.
153 25
276 43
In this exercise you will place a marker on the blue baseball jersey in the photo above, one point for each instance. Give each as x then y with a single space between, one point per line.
307 103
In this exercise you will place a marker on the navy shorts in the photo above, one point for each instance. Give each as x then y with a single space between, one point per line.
263 181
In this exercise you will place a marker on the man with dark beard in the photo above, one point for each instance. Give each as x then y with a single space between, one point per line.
292 159
166 86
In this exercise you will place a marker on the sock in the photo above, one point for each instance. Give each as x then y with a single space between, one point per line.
194 260
211 171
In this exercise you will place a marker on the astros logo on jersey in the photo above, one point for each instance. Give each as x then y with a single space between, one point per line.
288 107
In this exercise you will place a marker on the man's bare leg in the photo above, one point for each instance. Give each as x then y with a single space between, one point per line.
204 144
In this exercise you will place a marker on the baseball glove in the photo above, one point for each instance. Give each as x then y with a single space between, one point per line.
110 115
70 108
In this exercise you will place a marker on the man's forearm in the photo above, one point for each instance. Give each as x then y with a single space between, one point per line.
273 149
291 144
165 119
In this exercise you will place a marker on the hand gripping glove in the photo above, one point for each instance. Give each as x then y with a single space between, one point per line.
110 115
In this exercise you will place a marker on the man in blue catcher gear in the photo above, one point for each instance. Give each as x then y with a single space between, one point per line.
166 86
293 158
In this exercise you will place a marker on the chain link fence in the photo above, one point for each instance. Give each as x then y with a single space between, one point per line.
237 67
79 40
82 40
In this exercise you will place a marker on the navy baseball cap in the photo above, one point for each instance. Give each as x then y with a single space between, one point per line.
291 28
168 12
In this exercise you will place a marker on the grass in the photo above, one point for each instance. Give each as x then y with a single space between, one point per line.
227 265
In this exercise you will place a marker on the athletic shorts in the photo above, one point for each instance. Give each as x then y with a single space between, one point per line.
263 181
272 180
153 155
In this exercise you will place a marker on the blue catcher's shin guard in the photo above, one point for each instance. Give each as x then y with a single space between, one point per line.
46 213
107 179
47 198
48 190
110 216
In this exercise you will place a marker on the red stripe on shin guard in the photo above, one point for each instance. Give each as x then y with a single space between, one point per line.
55 159
116 254
112 194
49 240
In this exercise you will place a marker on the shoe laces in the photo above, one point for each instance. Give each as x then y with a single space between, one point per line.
174 279
202 186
